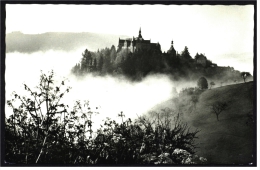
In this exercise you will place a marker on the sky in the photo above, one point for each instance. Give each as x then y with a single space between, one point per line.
223 33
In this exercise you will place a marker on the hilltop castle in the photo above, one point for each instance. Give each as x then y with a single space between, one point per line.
108 60
137 43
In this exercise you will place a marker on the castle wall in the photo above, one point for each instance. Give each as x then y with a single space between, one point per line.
144 46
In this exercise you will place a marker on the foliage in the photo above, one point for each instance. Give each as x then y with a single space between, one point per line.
42 130
245 75
113 54
86 61
140 63
190 91
36 121
145 141
185 53
202 83
39 130
191 95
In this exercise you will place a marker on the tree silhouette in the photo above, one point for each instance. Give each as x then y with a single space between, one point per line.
219 107
113 53
95 64
244 75
36 119
186 54
100 63
86 61
148 61
202 83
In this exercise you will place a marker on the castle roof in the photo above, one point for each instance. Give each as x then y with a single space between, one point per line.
171 50
143 41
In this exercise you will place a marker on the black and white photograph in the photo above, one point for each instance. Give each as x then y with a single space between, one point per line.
129 85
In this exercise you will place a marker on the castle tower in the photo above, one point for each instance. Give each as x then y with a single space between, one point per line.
140 35
172 50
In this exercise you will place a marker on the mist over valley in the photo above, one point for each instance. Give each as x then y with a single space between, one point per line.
61 41
112 94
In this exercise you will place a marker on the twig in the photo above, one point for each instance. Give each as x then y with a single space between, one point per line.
41 149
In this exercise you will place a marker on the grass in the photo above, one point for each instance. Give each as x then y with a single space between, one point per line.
229 140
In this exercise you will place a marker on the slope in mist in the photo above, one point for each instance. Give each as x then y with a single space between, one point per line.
229 140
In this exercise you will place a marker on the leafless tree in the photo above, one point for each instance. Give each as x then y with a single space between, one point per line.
219 107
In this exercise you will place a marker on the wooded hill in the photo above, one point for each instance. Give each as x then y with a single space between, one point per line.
141 63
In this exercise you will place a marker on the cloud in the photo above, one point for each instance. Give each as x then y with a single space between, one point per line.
240 61
30 43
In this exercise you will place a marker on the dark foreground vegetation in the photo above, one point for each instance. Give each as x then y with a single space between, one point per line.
43 130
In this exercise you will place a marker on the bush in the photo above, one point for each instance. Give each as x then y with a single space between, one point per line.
202 83
42 130
190 91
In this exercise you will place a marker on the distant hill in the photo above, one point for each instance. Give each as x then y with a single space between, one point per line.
229 140
29 43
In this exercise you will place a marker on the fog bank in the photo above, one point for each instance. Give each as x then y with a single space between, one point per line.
110 94
63 41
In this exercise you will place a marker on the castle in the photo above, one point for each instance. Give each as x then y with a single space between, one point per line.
137 43
172 51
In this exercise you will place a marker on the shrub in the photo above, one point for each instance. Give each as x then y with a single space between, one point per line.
143 141
245 75
202 83
190 95
37 131
42 130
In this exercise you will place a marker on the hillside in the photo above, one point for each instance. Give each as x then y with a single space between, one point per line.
229 140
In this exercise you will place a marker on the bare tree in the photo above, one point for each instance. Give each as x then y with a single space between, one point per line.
218 107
